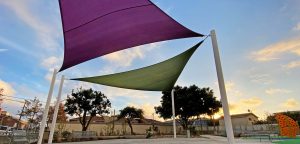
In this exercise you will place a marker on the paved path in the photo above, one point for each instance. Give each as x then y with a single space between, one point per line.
206 139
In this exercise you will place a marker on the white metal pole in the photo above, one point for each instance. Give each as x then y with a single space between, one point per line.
227 119
45 114
56 110
173 111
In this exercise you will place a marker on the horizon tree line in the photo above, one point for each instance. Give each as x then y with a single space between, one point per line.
190 103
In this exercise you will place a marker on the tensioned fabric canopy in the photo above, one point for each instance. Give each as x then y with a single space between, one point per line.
93 28
158 77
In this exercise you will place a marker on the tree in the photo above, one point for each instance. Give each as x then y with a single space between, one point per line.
214 107
295 115
61 115
1 97
86 104
130 113
189 102
1 91
60 121
33 111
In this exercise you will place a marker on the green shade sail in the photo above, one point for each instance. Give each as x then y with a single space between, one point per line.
158 77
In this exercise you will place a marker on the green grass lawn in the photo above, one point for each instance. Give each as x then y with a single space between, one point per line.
282 139
287 141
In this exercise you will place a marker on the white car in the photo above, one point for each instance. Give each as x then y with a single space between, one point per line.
5 128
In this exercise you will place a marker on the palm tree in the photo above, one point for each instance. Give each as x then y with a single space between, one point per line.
130 113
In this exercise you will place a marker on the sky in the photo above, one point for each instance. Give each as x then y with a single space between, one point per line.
259 44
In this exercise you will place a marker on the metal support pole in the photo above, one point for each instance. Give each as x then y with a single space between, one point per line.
45 114
173 111
227 119
52 129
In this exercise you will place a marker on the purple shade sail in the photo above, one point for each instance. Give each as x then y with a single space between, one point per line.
93 28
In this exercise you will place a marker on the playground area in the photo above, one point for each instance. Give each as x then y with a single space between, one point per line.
205 139
158 78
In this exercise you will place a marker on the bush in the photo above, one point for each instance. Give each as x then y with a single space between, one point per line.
149 133
65 134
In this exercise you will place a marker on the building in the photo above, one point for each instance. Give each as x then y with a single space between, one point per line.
244 119
290 112
96 119
11 121
201 122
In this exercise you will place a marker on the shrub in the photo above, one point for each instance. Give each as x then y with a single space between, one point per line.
65 134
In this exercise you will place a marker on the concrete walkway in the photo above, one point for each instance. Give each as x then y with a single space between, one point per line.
206 139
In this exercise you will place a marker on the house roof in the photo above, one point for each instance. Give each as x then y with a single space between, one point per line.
151 121
296 111
2 117
96 119
108 119
241 115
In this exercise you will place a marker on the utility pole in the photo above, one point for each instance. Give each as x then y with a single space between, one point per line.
21 114
153 121
1 99
113 122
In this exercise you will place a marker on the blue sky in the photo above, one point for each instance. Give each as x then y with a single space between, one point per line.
259 45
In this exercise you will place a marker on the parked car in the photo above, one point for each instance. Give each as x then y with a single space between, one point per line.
5 128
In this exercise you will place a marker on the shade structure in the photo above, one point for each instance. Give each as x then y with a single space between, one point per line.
93 28
158 77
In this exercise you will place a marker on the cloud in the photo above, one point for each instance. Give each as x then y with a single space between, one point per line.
51 62
167 9
3 50
275 51
16 46
8 103
233 107
125 57
290 103
252 102
261 79
13 107
148 110
8 89
47 34
243 105
120 92
274 91
231 89
292 65
297 27
29 93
